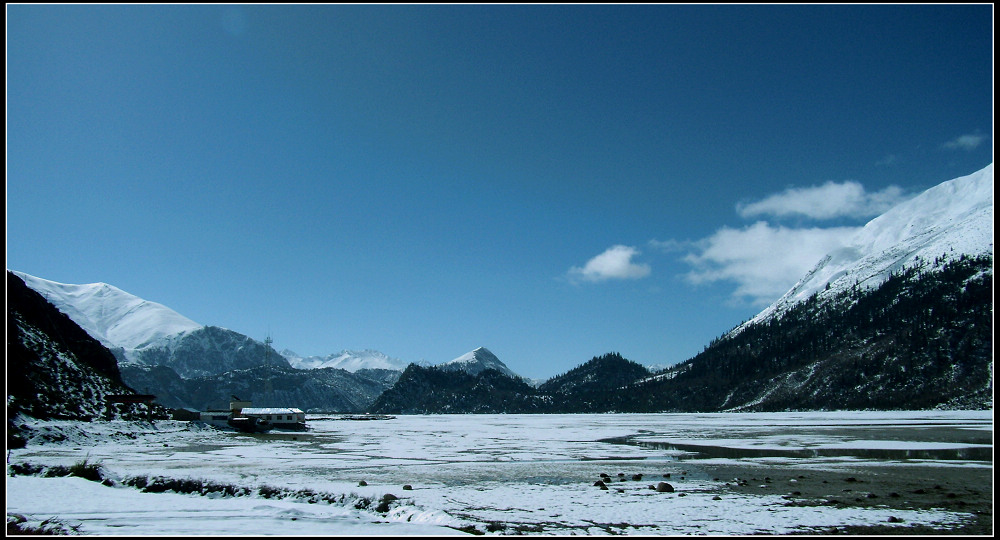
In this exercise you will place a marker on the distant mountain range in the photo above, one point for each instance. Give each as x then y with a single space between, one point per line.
186 364
146 333
899 318
347 360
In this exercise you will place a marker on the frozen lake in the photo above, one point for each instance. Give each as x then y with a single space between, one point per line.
505 474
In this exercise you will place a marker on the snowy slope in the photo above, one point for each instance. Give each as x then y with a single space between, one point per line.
347 360
950 219
477 361
111 315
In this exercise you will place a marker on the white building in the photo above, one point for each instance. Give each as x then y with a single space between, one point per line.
279 417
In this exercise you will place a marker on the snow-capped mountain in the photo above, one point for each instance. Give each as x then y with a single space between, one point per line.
347 360
477 361
117 319
947 220
55 369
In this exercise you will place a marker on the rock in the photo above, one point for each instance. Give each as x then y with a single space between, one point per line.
716 498
636 477
894 519
384 505
407 487
664 487
600 483
362 483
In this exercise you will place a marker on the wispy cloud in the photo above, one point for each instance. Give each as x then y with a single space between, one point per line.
829 201
964 142
888 160
669 245
764 261
615 263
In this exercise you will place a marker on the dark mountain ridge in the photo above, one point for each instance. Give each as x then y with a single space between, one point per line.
921 340
266 385
423 390
603 373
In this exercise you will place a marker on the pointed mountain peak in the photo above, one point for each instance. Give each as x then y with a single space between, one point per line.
477 361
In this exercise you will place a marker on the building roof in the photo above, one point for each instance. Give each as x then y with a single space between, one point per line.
271 410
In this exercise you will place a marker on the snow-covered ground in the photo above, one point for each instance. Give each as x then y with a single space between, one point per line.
495 473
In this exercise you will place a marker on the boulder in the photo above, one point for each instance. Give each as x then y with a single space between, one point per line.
664 487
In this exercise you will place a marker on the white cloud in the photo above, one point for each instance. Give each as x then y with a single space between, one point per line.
614 263
763 261
829 201
964 142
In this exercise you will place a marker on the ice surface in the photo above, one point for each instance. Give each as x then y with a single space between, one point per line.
533 473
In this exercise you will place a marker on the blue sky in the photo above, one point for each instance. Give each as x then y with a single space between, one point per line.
552 182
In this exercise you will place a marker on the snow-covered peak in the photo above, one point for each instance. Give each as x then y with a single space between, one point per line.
948 220
347 360
472 356
477 361
111 315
